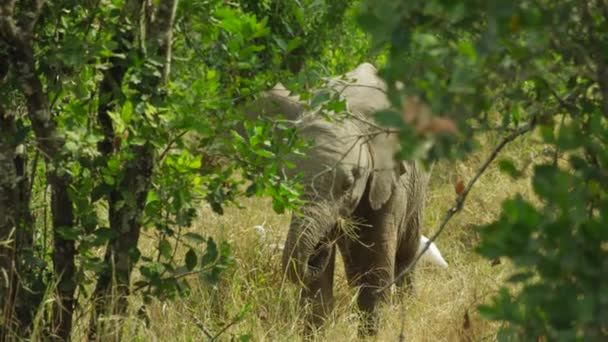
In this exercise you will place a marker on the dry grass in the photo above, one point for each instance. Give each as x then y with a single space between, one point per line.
443 310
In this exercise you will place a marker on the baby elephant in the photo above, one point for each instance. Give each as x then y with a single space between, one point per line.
350 174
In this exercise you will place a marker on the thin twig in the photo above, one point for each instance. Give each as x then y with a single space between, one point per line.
348 83
170 145
199 324
234 321
380 129
461 198
564 102
177 243
176 277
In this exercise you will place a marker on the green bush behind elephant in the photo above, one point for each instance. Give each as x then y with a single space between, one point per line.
350 175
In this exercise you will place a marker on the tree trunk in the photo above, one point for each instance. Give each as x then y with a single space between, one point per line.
124 220
126 213
122 252
21 54
9 222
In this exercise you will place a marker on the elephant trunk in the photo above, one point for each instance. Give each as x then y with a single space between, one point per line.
308 246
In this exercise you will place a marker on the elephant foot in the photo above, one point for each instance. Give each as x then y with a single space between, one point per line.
410 284
368 304
406 286
317 310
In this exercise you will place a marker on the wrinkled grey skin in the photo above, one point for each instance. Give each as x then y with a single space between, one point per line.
350 173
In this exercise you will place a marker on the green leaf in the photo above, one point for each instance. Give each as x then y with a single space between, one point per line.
194 237
508 167
152 197
165 249
278 205
263 153
69 233
211 253
104 233
388 118
488 312
126 113
516 114
281 43
320 97
335 105
294 44
191 259
109 180
245 337
520 277
114 165
21 134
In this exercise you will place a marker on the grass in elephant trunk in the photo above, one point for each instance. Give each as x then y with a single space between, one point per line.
307 248
443 310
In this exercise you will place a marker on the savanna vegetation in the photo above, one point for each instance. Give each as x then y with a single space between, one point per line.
130 209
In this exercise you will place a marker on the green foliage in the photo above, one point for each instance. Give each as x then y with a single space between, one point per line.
266 147
102 78
560 250
299 28
497 65
472 64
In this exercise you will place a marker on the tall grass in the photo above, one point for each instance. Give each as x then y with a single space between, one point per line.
443 309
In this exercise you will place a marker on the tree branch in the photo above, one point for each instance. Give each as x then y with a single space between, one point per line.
234 321
169 146
379 129
161 34
461 198
199 324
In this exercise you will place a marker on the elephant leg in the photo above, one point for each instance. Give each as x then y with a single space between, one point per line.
369 264
376 273
406 253
408 281
317 296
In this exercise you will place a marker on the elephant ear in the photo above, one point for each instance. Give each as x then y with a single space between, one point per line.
386 170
